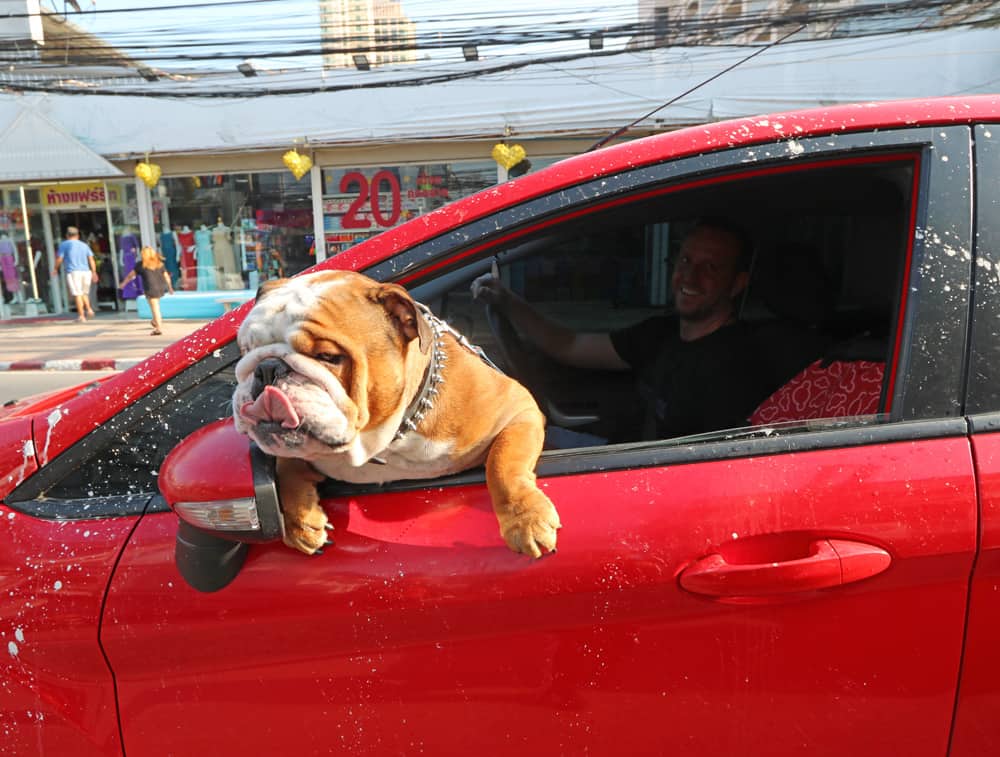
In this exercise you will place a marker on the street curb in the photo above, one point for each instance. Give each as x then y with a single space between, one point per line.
107 364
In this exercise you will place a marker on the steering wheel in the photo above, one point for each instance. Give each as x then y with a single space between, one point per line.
527 369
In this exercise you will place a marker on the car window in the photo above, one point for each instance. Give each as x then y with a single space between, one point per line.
129 464
114 470
829 243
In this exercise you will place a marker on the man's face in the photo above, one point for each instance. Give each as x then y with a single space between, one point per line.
706 279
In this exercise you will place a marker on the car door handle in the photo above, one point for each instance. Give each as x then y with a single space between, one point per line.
829 562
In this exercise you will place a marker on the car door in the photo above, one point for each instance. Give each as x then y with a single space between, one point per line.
777 590
976 731
65 526
56 690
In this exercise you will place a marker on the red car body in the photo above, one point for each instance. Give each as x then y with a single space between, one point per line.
827 591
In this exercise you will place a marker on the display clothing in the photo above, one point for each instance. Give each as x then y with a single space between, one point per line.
185 239
168 247
153 280
693 387
273 268
129 246
225 258
8 266
206 261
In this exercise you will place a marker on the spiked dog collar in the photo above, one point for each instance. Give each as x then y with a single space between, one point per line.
433 375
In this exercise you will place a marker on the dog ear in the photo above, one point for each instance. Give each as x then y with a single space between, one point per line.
404 311
267 286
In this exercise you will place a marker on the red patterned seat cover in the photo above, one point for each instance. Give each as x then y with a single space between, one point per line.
840 388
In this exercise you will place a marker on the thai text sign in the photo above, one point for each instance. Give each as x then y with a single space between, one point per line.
77 196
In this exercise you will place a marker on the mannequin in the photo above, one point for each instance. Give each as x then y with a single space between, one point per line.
169 245
129 247
225 257
185 243
8 266
206 260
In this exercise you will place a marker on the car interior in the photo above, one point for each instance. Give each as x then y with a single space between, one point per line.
829 242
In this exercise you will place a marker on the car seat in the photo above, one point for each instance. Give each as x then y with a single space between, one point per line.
847 381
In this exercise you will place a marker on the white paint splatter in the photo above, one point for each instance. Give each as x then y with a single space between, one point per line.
53 419
19 634
12 648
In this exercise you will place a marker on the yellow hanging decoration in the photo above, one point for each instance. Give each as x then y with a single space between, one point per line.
298 164
508 156
148 172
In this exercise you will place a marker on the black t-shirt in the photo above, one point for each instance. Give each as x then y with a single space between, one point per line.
692 387
153 282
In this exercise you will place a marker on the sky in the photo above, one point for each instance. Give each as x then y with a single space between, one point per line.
294 25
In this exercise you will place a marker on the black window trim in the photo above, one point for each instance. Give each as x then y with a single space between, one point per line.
982 386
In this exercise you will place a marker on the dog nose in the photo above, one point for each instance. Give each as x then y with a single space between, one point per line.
266 373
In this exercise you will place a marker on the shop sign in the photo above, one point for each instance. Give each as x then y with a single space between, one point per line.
79 196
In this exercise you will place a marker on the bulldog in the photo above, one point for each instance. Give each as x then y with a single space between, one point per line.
342 376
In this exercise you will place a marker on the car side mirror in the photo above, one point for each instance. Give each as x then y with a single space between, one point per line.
223 489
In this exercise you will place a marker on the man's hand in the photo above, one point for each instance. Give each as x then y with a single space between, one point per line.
488 290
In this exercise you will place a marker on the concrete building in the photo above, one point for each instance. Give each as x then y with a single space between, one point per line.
748 22
377 29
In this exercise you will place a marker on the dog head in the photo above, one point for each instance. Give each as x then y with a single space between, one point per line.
328 361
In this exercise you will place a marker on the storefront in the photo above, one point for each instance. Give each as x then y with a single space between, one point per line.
223 221
106 215
232 230
44 190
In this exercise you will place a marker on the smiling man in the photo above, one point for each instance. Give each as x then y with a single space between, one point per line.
696 367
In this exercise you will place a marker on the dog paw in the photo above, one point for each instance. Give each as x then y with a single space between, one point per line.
310 534
530 526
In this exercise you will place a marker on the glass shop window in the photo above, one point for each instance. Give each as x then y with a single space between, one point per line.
232 231
358 203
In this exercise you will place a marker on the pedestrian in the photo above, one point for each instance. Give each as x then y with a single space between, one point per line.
81 271
155 281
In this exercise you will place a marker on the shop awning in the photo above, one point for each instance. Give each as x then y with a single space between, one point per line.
34 148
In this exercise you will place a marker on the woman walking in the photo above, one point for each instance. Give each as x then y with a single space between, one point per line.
155 282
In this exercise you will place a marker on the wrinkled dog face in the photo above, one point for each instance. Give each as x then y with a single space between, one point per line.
293 393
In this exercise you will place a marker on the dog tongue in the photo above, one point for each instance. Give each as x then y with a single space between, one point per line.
272 405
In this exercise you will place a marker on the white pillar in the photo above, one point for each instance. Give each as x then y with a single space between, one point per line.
144 205
55 282
29 251
316 178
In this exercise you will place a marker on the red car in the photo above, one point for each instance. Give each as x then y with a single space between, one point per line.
823 581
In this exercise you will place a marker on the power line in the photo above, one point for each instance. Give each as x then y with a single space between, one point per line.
695 32
618 132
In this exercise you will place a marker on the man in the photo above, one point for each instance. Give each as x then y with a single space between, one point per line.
81 271
696 368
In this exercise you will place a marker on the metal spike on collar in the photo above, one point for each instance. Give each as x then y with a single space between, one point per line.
435 372
429 390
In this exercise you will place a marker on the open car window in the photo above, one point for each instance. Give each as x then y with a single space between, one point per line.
830 245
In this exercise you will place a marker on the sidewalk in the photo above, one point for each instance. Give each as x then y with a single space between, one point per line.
109 341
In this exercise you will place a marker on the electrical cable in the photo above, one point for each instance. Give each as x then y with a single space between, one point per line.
618 132
122 79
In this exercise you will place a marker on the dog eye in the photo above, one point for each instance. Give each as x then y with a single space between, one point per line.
330 358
